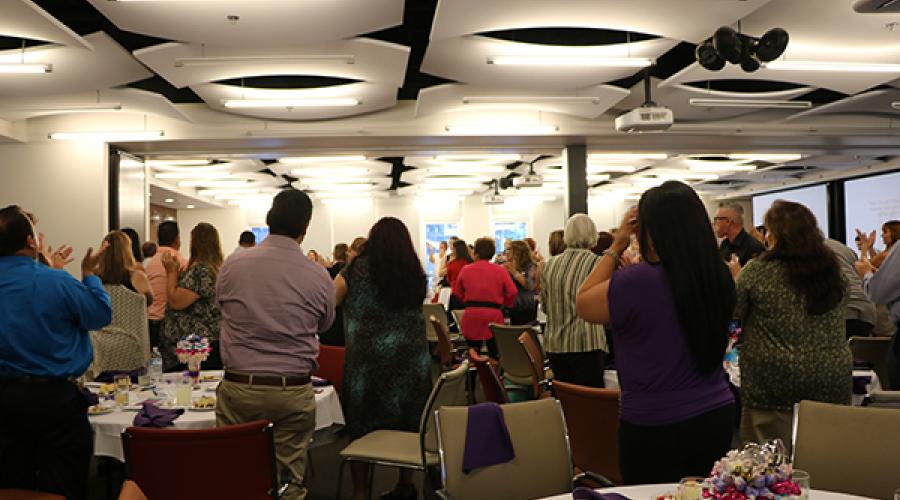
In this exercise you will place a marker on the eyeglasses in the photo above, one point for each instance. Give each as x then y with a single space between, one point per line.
716 219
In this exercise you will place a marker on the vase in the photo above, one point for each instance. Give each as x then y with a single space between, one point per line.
193 371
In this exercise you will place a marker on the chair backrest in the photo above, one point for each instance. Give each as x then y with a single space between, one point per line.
493 388
542 465
848 449
8 494
438 311
592 417
874 351
131 491
448 390
331 365
513 360
236 461
444 346
536 362
124 344
457 318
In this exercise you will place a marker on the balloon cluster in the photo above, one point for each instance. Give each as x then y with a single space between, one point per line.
727 45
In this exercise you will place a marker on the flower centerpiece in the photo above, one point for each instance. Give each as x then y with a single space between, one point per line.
193 350
754 472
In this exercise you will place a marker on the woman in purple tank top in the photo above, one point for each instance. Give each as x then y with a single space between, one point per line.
669 316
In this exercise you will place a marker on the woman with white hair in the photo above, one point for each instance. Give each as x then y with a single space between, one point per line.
575 347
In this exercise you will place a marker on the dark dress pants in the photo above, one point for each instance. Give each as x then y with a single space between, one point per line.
45 437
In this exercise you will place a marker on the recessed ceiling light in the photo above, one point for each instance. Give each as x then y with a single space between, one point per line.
504 129
559 60
190 206
25 68
332 102
169 200
287 59
848 67
112 135
748 103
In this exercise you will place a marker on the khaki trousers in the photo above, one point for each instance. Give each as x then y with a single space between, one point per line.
291 409
759 426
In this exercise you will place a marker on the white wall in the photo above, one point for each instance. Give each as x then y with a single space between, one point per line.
230 222
64 183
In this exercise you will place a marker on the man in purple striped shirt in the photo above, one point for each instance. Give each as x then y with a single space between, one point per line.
274 301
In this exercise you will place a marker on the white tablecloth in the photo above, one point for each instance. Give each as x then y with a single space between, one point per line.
651 491
108 428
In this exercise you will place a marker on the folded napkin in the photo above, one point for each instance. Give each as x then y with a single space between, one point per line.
583 493
110 376
487 438
151 415
861 383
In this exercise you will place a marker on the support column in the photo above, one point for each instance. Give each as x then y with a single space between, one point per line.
575 174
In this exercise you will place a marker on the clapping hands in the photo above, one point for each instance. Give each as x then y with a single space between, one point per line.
169 262
57 259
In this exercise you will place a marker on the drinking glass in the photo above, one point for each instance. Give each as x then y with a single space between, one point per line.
801 477
183 392
123 388
689 488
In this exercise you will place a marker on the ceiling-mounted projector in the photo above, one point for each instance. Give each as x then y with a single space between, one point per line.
493 197
649 117
530 179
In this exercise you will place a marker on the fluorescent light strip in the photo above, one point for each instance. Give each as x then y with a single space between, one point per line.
628 156
467 170
895 104
184 62
215 183
594 168
104 106
331 172
531 100
192 175
349 187
773 157
138 135
748 103
472 159
186 162
559 60
303 160
718 166
505 129
333 102
25 68
846 67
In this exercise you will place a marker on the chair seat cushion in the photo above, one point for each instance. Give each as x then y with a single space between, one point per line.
397 447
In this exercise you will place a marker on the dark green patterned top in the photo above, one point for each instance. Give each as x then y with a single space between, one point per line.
786 354
387 375
202 317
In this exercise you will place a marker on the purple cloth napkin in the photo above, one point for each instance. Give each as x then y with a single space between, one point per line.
487 438
108 377
151 415
859 384
583 493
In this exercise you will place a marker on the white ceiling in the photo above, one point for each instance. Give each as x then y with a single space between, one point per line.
24 19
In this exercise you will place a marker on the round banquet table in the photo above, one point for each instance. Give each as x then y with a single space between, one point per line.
108 427
651 491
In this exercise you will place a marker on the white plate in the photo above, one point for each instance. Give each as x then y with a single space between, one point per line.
201 409
104 410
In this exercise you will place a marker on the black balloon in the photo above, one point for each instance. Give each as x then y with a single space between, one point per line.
772 45
708 58
728 44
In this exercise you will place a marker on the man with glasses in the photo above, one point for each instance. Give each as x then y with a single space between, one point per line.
45 315
729 225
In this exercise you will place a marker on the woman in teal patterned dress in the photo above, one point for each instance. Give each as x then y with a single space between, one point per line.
387 375
791 300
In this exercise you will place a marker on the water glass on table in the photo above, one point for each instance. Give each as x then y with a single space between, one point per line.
183 391
123 389
801 478
689 488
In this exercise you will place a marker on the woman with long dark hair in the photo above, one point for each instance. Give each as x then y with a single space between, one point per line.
791 301
387 375
669 316
191 296
136 250
461 259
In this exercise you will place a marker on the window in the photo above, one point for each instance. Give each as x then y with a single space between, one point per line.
508 231
435 233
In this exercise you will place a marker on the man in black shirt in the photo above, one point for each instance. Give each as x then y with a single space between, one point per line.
729 224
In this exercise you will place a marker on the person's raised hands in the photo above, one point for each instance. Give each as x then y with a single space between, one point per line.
90 260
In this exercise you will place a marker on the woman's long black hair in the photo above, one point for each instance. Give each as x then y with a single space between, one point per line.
674 223
811 267
394 267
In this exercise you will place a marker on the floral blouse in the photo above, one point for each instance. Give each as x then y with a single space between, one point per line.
202 317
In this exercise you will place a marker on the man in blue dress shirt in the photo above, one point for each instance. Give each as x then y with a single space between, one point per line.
45 315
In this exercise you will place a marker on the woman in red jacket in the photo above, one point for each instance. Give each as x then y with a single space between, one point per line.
485 289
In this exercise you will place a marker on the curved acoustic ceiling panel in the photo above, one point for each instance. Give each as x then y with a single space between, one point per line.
253 23
848 82
589 102
124 100
353 99
24 19
456 18
678 99
74 69
466 60
875 102
184 64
